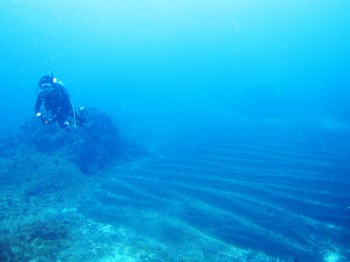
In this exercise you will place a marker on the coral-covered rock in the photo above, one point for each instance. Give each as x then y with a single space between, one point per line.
92 146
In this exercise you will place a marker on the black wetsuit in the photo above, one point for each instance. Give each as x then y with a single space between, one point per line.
57 104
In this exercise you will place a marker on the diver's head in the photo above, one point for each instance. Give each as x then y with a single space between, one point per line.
46 82
46 79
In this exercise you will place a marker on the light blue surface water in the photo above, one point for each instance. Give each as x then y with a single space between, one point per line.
242 104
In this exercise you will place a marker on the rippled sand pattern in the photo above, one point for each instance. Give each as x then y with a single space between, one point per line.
211 197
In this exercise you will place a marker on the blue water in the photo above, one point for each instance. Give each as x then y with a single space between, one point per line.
242 105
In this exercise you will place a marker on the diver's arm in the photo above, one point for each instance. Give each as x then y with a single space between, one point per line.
37 108
38 104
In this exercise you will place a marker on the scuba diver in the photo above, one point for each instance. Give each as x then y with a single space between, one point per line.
57 104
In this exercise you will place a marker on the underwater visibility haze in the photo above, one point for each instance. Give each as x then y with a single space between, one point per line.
217 131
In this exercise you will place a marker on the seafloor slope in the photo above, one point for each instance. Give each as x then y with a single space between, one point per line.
249 191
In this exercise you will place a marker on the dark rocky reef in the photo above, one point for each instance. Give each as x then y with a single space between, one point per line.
92 147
